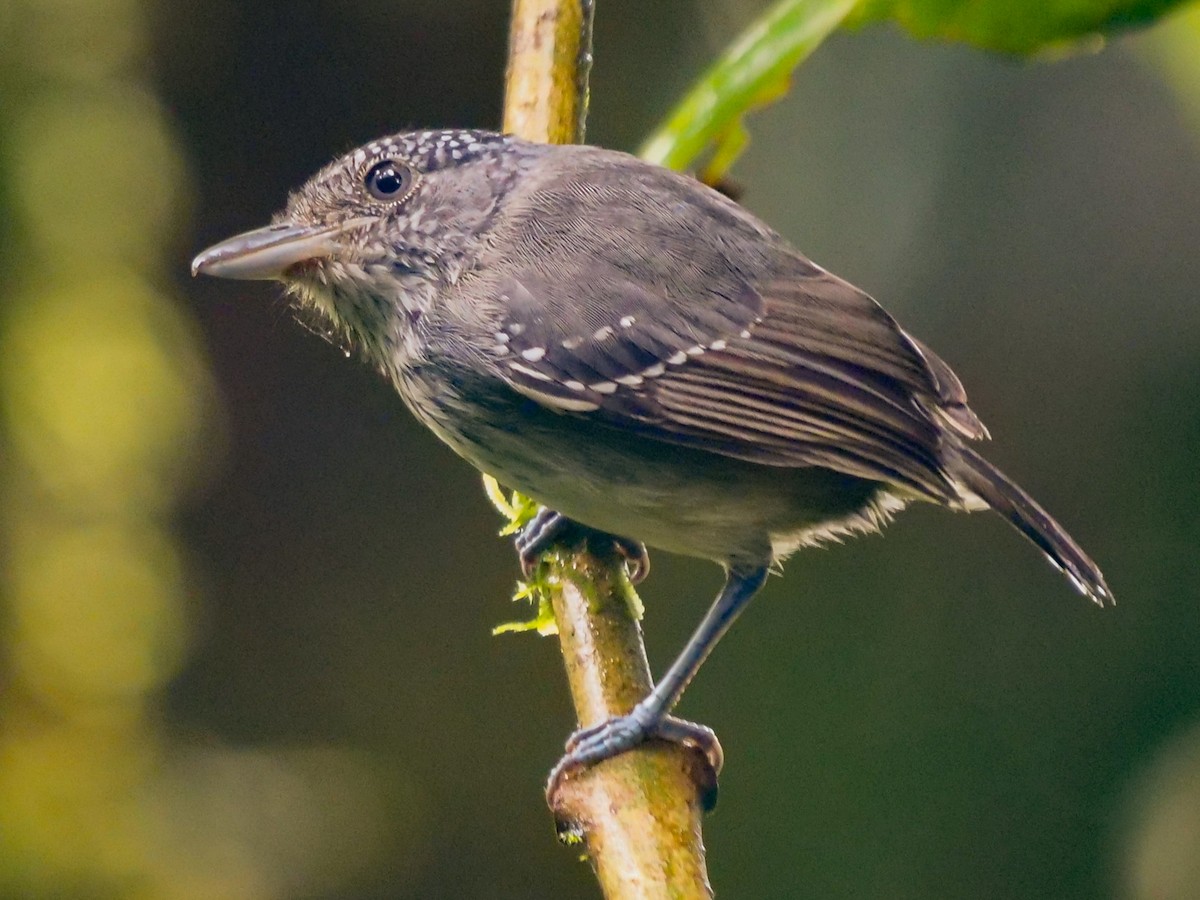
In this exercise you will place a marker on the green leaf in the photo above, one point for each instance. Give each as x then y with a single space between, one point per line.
756 68
753 72
1014 26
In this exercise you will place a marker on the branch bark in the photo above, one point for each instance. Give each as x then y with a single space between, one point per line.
637 815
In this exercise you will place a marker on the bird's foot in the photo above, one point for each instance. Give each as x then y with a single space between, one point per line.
549 528
589 746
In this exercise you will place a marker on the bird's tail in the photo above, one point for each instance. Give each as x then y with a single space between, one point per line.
1007 498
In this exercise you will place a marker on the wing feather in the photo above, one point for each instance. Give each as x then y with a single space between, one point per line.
694 324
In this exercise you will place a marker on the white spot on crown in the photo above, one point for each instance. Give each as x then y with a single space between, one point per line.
431 149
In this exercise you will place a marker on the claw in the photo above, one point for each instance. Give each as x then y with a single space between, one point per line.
538 536
649 719
548 528
637 558
589 746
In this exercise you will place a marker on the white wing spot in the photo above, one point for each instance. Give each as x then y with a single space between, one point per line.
515 328
574 385
627 321
654 371
533 354
605 387
502 337
572 343
603 334
745 333
532 373
694 351
717 345
677 359
555 403
630 380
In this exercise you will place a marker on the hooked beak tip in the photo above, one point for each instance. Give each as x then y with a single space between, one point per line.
267 253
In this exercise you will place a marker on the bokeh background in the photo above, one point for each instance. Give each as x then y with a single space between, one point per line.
245 639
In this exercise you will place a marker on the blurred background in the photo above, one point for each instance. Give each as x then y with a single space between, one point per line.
245 642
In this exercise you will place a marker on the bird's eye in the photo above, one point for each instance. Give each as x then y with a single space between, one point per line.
388 180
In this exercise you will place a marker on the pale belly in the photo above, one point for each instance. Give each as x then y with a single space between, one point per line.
675 498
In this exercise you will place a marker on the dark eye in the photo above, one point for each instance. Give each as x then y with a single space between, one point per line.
388 180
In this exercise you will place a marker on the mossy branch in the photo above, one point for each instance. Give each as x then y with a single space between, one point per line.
637 816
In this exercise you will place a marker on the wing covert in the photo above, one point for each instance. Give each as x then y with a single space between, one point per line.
681 333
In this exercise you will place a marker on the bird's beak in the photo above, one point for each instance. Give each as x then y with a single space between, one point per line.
267 253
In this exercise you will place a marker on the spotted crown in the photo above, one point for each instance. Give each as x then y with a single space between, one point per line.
432 150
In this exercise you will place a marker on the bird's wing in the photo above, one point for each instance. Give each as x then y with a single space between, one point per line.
679 333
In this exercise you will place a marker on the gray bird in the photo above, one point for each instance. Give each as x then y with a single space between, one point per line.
639 354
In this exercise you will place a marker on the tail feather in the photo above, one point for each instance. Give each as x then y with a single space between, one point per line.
1007 498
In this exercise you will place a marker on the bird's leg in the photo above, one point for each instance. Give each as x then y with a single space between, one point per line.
548 528
651 717
540 533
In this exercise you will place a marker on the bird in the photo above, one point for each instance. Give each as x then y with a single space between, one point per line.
640 355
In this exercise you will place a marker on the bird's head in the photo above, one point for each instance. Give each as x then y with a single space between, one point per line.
372 237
